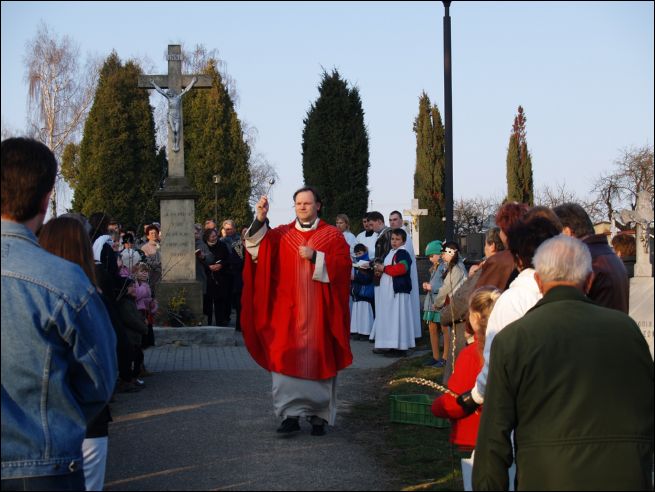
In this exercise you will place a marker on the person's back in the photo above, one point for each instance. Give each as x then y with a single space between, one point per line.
611 284
579 420
58 348
580 423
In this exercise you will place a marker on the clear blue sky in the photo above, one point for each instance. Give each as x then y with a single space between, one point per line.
583 71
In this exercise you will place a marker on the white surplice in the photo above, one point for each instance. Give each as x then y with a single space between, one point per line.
393 326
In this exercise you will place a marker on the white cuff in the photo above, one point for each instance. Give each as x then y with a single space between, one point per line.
320 272
252 242
477 397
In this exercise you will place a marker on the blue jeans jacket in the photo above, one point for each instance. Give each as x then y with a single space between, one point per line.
58 358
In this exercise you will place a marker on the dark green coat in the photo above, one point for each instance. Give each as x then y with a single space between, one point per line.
575 382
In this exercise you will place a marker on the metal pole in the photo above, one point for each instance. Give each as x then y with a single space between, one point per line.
448 101
216 204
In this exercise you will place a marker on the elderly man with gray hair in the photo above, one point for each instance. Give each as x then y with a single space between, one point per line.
574 382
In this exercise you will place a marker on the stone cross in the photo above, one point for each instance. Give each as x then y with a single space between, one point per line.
177 198
174 82
642 216
415 213
641 285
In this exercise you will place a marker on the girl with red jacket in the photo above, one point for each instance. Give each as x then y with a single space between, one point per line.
464 429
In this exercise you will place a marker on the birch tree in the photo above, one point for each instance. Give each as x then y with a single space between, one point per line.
59 92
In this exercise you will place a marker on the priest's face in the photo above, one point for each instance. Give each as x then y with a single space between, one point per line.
306 207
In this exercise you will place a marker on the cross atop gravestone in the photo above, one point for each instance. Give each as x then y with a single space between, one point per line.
415 213
641 285
642 216
174 82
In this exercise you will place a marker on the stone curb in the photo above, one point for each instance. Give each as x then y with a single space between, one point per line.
216 336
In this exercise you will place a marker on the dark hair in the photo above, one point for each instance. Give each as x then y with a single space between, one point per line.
317 197
509 214
207 232
396 212
544 212
493 237
150 228
360 247
399 232
375 216
128 238
454 260
526 236
67 238
99 223
29 169
625 244
575 218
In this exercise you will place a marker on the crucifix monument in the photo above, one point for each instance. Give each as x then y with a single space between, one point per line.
641 285
415 213
177 198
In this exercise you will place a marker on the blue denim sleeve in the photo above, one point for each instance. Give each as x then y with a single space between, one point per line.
94 353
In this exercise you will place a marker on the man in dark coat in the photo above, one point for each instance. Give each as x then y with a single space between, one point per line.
610 286
574 382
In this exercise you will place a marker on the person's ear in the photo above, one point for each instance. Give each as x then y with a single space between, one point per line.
540 283
567 231
588 282
43 205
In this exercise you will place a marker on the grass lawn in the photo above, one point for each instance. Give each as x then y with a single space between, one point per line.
418 456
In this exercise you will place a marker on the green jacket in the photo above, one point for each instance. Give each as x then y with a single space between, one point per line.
574 381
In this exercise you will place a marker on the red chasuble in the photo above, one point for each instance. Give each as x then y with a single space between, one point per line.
292 324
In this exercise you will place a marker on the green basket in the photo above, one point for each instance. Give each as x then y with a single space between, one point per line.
415 409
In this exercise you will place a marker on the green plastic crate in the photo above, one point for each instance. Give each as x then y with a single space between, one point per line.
415 409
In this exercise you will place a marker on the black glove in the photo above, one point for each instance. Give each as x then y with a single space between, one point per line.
468 404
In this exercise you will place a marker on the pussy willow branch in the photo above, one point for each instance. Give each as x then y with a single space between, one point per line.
428 383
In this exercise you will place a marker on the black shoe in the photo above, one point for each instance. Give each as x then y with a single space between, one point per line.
396 353
290 424
318 430
318 425
380 351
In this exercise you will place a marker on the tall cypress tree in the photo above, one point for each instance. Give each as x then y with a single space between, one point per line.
214 144
335 156
118 170
429 176
519 163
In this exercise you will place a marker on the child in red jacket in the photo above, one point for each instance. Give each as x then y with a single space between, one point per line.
464 430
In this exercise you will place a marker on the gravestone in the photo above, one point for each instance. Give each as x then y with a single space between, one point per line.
641 285
177 198
415 213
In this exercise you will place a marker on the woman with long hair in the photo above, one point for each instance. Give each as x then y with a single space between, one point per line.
67 238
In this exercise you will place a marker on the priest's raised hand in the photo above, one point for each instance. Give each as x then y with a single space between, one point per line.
261 209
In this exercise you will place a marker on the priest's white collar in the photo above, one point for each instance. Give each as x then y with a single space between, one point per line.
307 227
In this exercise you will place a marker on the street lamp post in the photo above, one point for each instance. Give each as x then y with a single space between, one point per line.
217 179
448 102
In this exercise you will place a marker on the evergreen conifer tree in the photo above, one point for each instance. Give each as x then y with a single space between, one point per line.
335 156
118 170
519 164
214 144
429 176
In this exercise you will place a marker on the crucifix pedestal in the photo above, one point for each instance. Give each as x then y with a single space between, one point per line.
177 198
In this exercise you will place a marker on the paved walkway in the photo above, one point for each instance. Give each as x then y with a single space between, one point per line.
205 422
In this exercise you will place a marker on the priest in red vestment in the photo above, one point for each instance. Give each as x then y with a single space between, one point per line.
295 317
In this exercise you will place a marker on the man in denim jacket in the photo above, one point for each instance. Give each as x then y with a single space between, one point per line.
58 346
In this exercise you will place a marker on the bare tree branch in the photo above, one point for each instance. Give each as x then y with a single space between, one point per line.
59 92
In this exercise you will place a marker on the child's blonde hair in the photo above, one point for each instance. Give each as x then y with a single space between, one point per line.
482 301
